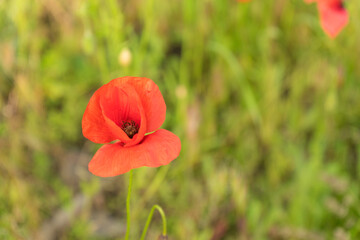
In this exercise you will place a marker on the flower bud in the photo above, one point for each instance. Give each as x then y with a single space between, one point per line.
124 57
181 92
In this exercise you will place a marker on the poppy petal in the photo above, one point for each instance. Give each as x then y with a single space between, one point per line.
94 125
333 17
151 98
108 107
120 104
156 149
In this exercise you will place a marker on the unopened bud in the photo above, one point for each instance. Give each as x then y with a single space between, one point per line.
125 57
181 92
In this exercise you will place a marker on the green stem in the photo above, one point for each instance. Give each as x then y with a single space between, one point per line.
128 207
149 220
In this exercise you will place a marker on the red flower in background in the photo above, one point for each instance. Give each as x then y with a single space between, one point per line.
125 109
333 15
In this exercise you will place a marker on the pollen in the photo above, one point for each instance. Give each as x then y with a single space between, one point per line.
130 128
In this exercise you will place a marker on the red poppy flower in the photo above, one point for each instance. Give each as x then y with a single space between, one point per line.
128 110
333 16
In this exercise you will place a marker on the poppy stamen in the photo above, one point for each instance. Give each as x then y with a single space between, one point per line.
130 128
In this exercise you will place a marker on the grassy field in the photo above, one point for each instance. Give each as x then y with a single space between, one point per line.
266 105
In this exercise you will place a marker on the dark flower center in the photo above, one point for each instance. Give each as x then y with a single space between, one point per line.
130 128
340 5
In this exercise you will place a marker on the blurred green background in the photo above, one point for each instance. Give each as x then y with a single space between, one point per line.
266 105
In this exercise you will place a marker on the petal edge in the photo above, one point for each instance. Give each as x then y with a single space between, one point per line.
156 149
